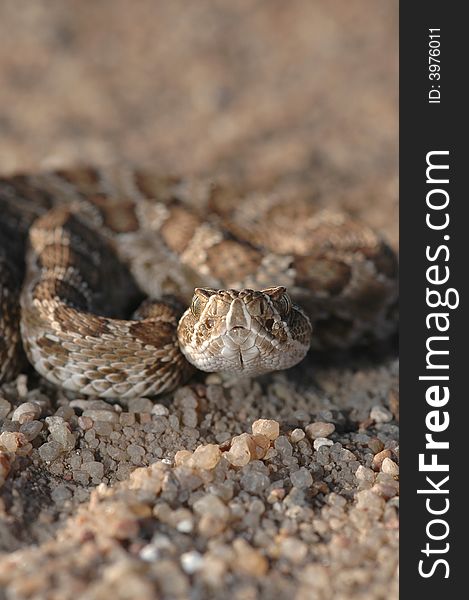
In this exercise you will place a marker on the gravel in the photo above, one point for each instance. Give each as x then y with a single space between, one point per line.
281 487
147 503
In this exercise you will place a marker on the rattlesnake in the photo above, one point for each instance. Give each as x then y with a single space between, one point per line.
95 239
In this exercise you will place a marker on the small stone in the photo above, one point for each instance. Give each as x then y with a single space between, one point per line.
127 419
31 429
192 561
375 445
267 427
262 445
346 455
248 560
211 505
364 474
181 457
66 412
85 422
140 405
5 408
185 525
206 457
242 450
283 447
214 379
254 482
61 494
386 489
319 430
379 414
390 467
81 477
60 432
16 442
379 458
94 469
159 410
103 429
301 478
102 415
50 451
28 411
214 515
213 570
367 500
293 549
318 442
297 435
189 418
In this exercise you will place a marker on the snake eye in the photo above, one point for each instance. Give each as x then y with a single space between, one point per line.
200 299
280 299
196 307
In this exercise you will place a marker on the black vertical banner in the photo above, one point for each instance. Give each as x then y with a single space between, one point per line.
434 261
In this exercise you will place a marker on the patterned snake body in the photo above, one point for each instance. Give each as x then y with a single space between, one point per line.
98 241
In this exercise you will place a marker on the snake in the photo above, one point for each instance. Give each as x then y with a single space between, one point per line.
120 282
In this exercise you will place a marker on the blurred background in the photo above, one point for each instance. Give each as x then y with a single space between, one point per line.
298 95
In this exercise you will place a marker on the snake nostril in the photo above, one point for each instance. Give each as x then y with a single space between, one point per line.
269 324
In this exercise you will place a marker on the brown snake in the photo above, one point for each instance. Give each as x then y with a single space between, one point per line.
97 242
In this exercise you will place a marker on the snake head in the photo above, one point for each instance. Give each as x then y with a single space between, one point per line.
246 332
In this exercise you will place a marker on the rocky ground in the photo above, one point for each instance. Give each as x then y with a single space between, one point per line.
284 486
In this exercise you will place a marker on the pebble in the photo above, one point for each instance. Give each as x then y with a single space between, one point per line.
318 442
192 562
5 408
379 458
248 560
375 445
140 405
364 474
50 451
319 430
60 432
214 515
206 457
85 422
16 442
267 427
293 549
301 478
28 411
390 467
241 451
159 410
211 505
254 482
31 429
102 415
379 414
297 435
283 446
368 500
94 469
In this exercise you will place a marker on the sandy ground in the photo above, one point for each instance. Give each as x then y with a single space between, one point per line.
107 500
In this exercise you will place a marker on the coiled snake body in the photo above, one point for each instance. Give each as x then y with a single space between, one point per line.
80 248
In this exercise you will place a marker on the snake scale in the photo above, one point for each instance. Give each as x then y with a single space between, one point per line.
98 266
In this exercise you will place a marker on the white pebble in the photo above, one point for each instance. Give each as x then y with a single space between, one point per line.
390 467
379 414
192 561
318 442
